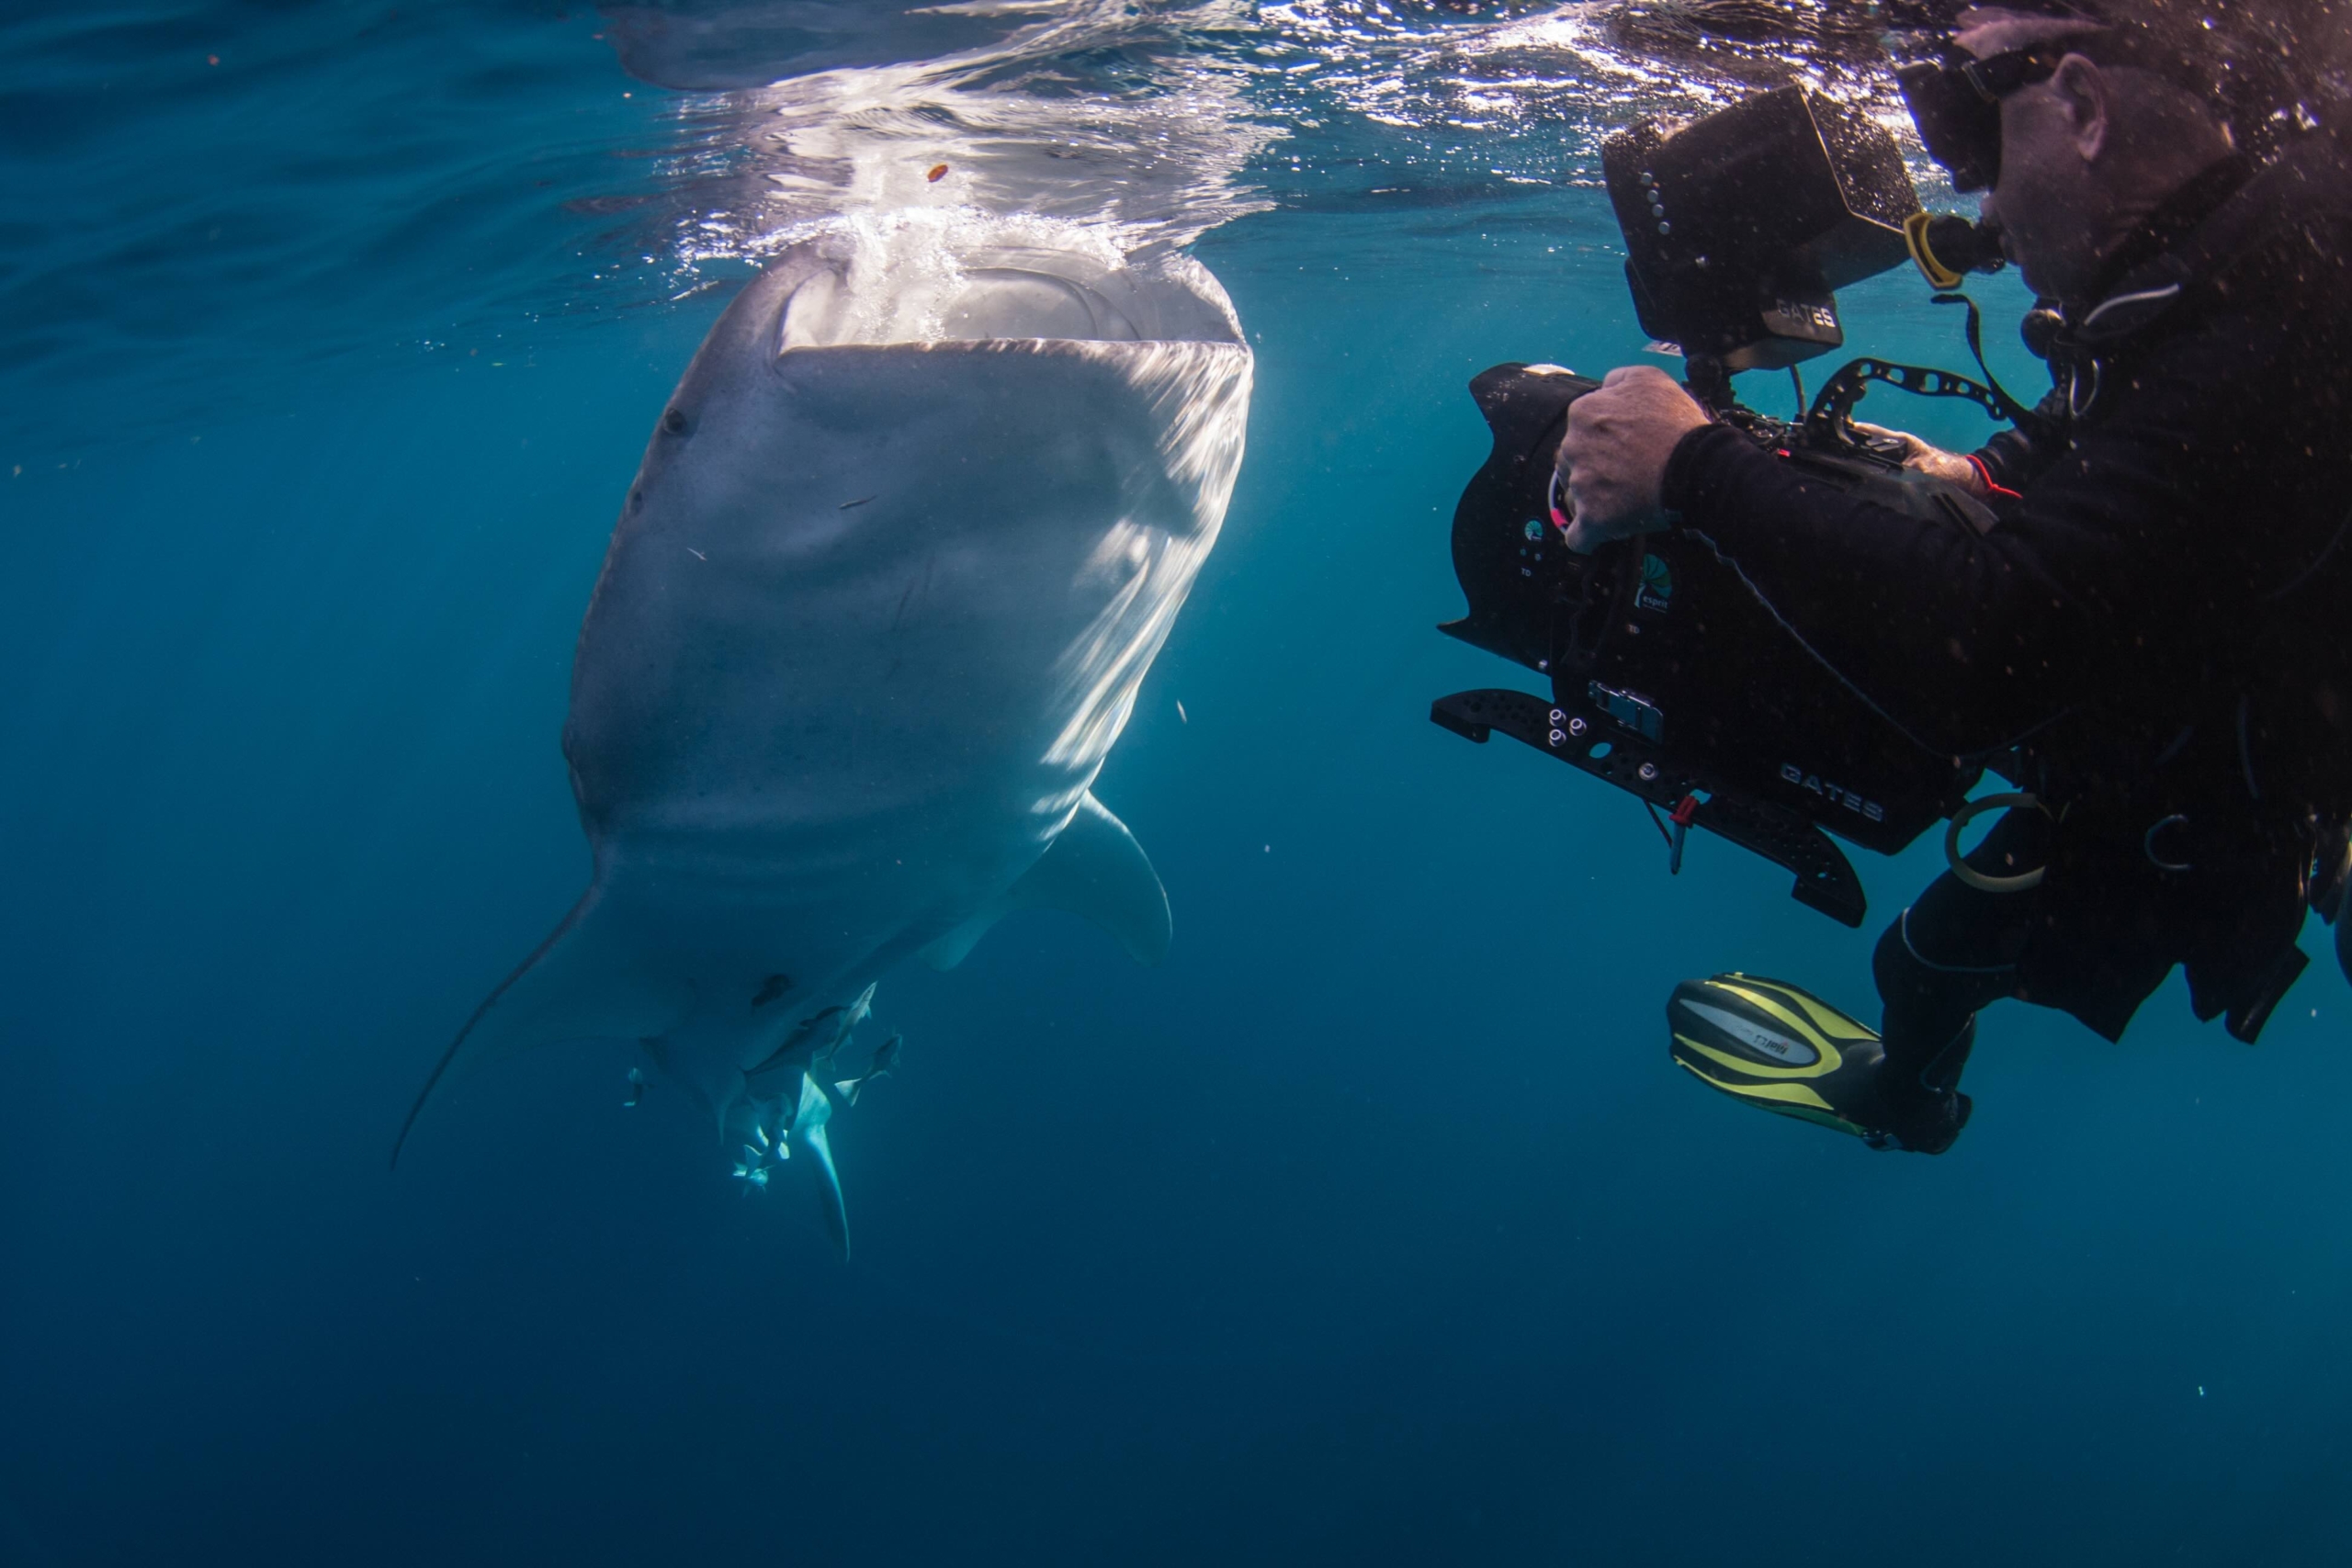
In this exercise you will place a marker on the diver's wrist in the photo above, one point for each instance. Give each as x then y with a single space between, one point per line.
1682 486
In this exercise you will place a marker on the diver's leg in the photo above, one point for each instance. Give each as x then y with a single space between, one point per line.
1928 1026
1929 1004
1939 963
1776 1047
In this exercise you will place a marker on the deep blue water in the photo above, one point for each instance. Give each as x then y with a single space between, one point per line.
1374 1227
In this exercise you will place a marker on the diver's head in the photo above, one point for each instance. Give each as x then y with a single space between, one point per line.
2080 122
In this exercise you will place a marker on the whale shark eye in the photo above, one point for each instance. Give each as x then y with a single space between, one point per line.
675 422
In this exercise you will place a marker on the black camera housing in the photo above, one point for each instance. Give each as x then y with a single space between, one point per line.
1670 678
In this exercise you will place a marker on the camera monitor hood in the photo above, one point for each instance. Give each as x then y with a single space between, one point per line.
1739 227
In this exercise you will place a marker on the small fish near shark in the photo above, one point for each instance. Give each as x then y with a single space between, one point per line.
884 1063
907 538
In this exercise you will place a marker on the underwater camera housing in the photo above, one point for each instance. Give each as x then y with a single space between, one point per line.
1670 679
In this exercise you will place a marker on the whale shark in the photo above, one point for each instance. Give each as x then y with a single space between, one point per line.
905 540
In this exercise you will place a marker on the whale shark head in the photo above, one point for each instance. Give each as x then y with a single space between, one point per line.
906 539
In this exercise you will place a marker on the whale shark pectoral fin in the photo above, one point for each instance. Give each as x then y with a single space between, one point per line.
1094 868
580 984
808 1130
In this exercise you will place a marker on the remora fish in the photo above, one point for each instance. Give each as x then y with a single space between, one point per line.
884 1063
809 740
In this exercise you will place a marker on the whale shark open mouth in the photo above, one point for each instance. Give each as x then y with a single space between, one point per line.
928 278
1008 295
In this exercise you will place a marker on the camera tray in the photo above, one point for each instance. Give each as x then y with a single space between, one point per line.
1575 734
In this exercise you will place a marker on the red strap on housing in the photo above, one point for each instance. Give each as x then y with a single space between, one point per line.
1684 810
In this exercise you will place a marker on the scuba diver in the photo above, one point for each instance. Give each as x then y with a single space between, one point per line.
2143 636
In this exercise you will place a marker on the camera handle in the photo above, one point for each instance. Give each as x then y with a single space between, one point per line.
1829 424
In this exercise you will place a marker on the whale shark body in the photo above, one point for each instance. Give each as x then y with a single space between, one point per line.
903 544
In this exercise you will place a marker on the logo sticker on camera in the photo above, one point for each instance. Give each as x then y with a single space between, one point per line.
1657 591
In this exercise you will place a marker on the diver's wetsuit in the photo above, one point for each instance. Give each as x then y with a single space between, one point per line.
2142 641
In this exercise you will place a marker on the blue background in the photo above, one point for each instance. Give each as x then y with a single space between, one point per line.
1374 1227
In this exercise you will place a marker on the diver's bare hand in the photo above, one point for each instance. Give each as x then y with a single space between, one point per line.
1934 461
1614 454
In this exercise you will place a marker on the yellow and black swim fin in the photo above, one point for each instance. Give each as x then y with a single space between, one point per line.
1784 1050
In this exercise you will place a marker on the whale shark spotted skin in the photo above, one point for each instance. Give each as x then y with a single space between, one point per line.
904 543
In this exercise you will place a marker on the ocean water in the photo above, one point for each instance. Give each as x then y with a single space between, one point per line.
1374 1227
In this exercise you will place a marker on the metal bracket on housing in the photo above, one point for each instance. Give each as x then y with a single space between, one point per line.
1573 733
1632 710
